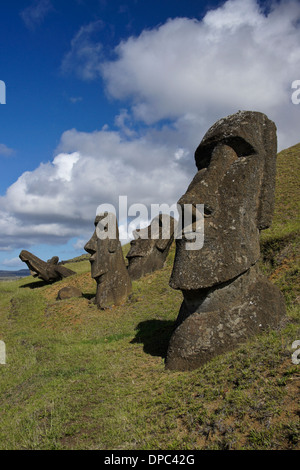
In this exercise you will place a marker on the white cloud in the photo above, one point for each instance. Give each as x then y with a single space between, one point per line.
13 263
6 151
85 53
229 17
64 164
41 192
58 200
75 99
187 72
79 244
235 58
35 13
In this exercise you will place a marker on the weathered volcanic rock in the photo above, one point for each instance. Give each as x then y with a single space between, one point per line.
49 271
107 263
68 292
150 248
236 163
222 318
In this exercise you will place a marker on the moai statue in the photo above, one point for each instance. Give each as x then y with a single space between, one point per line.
225 297
49 271
107 262
150 247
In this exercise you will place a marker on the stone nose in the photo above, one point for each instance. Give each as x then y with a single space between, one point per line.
91 246
204 187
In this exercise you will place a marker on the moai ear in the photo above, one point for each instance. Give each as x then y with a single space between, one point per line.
267 193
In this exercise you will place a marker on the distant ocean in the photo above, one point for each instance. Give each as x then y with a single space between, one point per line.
4 275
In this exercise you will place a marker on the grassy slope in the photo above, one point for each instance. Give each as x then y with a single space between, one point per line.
80 378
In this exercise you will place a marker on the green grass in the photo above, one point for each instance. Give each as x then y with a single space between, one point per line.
287 195
80 378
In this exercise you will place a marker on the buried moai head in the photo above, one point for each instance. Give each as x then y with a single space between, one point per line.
236 163
225 297
49 271
150 247
107 262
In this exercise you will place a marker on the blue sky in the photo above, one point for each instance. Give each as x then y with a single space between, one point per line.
42 100
109 98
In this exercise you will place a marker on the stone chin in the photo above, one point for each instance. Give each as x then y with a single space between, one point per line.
97 275
96 270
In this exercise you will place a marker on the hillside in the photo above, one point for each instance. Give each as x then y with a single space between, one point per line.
80 378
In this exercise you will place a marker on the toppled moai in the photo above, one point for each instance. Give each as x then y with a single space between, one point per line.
49 271
108 266
150 247
226 299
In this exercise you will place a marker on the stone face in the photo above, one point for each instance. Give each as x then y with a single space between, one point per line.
107 263
235 182
49 271
223 298
150 248
68 292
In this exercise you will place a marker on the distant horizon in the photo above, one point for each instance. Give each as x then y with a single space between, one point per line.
11 272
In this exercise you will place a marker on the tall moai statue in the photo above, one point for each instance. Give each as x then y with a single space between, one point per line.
108 266
225 297
150 246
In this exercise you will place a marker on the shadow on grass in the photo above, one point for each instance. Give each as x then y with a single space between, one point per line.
35 285
89 296
155 336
